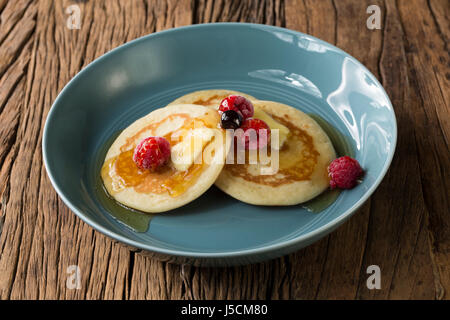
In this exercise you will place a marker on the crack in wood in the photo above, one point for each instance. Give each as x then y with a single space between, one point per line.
2 219
335 22
130 272
17 14
443 35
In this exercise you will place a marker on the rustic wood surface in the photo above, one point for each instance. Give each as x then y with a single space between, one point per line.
404 228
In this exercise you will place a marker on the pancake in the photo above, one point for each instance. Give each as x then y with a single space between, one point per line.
296 181
168 188
208 98
303 161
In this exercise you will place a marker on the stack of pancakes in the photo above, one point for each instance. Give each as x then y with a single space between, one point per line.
303 158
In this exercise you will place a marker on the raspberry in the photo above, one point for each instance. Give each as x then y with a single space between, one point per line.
256 134
152 153
240 104
344 172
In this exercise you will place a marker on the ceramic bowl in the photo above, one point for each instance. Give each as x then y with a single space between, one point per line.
267 62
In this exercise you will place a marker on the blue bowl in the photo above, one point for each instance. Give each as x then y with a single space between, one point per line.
267 62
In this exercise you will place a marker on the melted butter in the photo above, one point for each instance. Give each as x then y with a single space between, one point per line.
121 172
297 159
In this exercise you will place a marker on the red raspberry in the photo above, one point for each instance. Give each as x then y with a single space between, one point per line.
256 134
344 172
151 153
240 104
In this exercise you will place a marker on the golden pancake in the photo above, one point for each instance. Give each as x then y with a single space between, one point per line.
185 177
303 161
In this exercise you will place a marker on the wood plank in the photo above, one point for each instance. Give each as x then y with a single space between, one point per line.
393 240
428 66
16 45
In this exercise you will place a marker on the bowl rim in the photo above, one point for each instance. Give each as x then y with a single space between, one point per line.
282 244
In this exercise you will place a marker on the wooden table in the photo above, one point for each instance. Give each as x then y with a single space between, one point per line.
404 228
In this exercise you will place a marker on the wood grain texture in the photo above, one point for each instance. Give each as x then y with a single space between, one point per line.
404 228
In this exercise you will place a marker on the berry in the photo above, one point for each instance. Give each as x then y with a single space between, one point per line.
344 172
239 104
231 119
256 134
152 153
